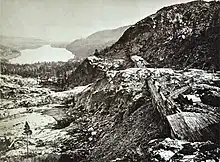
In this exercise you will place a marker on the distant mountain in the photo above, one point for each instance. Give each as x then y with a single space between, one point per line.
98 40
7 53
21 43
61 44
125 105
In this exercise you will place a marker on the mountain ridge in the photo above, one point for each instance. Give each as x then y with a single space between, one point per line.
152 96
21 43
182 29
158 82
98 40
7 53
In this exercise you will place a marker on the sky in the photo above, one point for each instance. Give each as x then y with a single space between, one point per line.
67 20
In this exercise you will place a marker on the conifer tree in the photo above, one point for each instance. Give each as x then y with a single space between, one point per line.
28 132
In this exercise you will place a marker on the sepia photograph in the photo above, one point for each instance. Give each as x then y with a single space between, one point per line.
109 80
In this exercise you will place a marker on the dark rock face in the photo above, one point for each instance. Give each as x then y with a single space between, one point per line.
119 111
84 74
129 103
118 115
92 69
179 36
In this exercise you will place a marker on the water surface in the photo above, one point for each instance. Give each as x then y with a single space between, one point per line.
42 54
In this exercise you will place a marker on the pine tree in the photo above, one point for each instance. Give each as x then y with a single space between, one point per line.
28 132
96 52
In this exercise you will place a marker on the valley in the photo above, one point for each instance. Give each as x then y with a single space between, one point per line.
152 94
42 108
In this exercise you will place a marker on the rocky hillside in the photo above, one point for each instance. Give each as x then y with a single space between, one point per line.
121 107
99 40
178 36
181 36
137 111
136 114
128 108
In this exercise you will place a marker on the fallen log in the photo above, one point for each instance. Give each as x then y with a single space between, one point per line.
192 126
164 105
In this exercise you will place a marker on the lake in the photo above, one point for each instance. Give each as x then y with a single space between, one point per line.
42 54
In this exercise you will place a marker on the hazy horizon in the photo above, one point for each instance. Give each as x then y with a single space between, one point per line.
67 20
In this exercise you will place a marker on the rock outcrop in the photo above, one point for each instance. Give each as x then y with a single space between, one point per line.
124 107
178 36
130 107
132 100
137 114
181 36
180 150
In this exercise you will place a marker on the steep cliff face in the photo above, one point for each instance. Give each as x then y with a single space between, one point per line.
181 36
178 36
